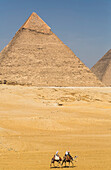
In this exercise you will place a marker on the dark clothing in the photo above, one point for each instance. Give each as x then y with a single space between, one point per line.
70 156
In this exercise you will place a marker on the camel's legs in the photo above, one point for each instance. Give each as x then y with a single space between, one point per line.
62 162
72 163
51 164
58 163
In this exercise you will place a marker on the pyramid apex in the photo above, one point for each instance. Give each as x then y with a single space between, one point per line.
34 22
34 13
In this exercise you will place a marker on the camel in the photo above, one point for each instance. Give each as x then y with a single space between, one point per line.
69 159
55 159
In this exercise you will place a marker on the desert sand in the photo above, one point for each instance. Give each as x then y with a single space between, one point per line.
36 122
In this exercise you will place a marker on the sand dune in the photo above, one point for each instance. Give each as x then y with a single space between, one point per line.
36 122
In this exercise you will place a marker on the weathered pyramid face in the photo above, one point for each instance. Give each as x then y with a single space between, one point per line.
36 56
102 69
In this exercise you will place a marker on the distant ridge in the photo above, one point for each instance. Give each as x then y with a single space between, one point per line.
102 69
36 56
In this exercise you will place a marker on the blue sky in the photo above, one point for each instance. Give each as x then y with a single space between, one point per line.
83 25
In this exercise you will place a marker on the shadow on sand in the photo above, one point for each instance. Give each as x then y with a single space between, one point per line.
63 167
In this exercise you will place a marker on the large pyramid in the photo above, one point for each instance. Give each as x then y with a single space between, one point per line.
36 56
102 69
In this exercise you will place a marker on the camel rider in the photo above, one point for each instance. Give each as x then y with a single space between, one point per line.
56 156
69 155
66 153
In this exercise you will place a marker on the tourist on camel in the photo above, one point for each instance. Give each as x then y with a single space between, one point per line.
67 155
56 156
70 155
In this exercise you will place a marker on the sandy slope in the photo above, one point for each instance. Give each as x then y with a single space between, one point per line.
36 122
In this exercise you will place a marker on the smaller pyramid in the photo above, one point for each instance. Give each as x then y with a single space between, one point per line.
102 69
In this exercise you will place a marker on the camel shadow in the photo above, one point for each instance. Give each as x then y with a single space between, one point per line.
68 167
55 167
63 167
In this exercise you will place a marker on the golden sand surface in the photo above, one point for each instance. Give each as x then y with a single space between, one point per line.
36 122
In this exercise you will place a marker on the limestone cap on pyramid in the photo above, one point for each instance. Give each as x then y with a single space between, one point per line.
34 22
